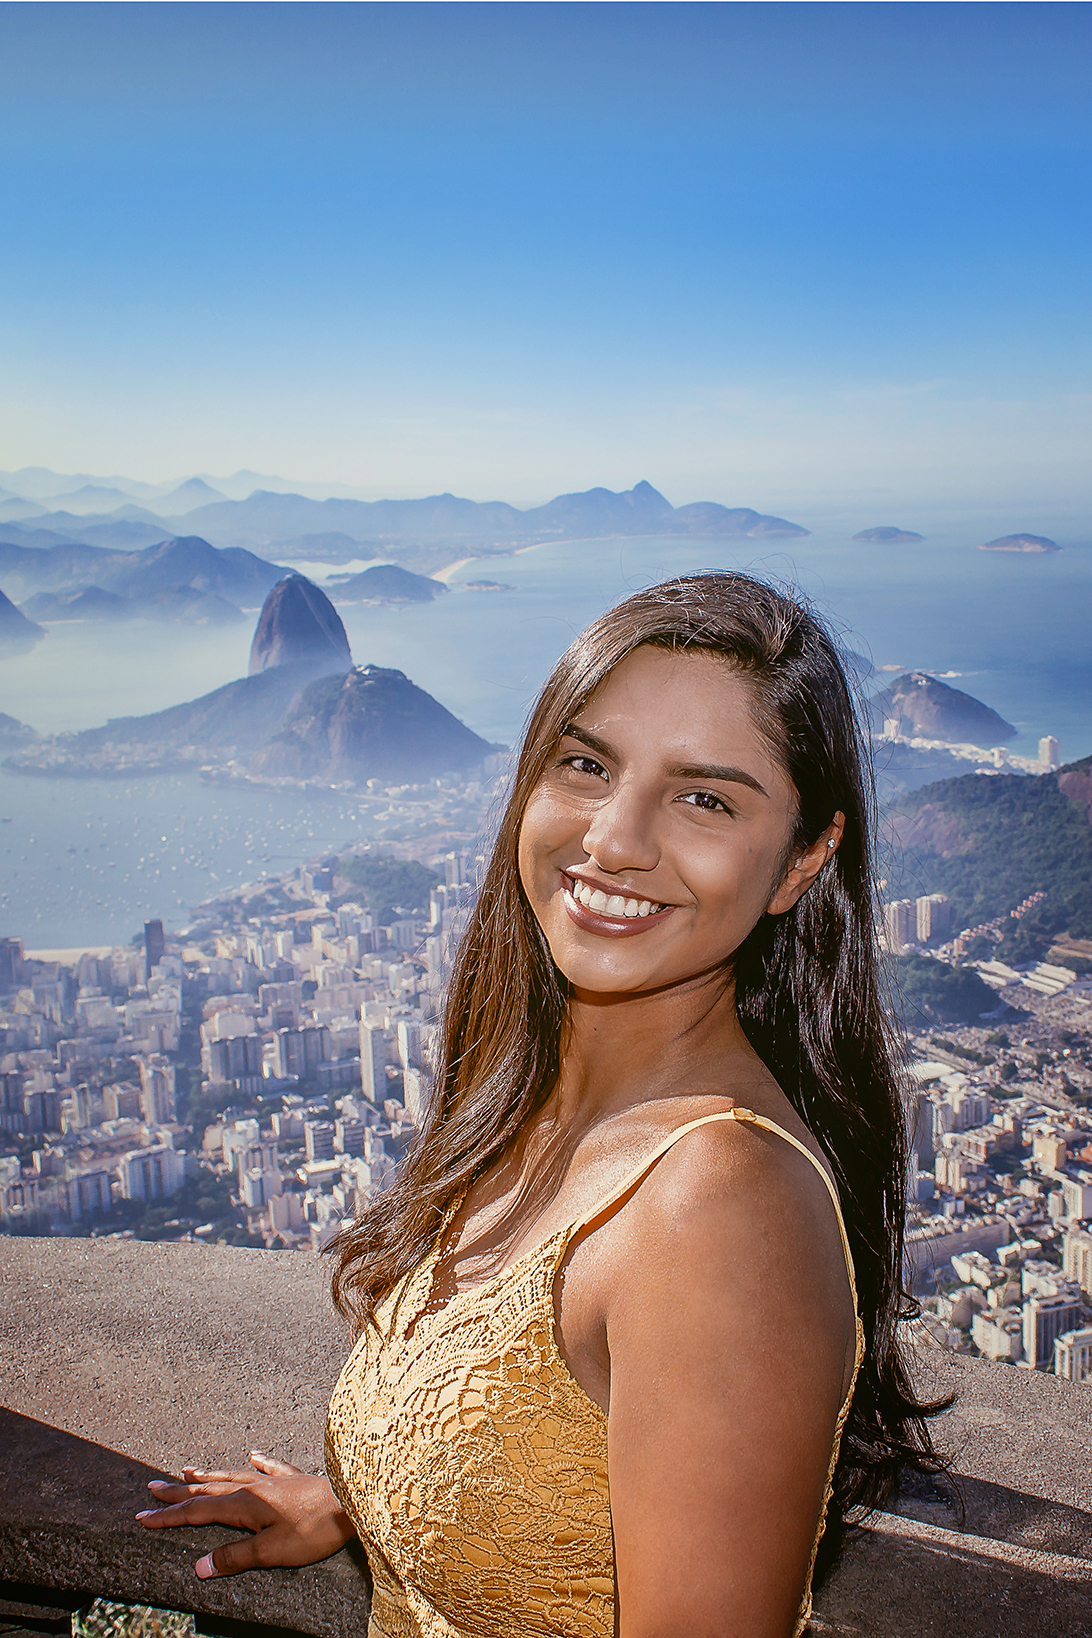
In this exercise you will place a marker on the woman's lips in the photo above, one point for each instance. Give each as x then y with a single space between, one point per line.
609 926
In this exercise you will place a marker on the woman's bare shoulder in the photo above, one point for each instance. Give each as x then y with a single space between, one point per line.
729 1190
728 1155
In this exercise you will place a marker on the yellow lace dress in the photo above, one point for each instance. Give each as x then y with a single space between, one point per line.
472 1464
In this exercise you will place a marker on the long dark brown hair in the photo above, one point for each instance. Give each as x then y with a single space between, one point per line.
810 995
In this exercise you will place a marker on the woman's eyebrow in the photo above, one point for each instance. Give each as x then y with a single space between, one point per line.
592 741
730 776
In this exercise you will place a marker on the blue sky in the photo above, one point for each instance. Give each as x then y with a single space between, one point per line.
753 253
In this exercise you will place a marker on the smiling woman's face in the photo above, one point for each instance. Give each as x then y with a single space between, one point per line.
655 839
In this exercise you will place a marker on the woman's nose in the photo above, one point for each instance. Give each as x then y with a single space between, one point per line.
622 832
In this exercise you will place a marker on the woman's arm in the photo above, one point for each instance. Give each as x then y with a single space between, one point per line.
295 1516
731 1347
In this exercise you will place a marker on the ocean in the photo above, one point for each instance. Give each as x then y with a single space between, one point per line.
87 861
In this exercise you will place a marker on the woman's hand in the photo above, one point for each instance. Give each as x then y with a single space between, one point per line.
295 1516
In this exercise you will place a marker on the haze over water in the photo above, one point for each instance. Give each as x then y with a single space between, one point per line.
85 861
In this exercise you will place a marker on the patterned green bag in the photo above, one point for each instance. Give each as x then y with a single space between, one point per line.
104 1619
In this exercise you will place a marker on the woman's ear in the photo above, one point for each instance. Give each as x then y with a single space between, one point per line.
800 875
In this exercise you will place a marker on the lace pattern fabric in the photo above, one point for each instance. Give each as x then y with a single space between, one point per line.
474 1466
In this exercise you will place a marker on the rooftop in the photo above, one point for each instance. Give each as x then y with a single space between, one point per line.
123 1360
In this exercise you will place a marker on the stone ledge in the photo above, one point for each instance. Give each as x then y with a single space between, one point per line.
67 1524
902 1579
122 1361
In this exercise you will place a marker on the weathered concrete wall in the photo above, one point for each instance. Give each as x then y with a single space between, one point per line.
121 1362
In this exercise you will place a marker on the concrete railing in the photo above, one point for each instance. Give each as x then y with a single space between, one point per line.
121 1361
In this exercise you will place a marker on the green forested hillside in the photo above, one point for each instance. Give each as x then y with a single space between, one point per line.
991 842
932 992
390 887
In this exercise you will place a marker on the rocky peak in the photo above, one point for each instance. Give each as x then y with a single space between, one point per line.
923 705
299 625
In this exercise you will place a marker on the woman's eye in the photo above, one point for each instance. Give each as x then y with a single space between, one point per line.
586 765
707 800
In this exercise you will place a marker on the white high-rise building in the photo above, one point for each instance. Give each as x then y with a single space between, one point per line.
157 1093
1045 1318
349 1137
1073 1355
285 1213
237 1139
454 869
1050 753
149 1174
933 914
257 1187
265 1155
88 1192
900 924
318 1136
1078 1198
1077 1259
416 1088
375 1053
970 1108
409 1043
998 1333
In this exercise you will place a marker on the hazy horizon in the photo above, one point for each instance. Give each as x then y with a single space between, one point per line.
817 509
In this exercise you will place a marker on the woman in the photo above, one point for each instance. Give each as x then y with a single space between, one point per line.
627 1316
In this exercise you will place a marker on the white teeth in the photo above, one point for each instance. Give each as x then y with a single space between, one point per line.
593 898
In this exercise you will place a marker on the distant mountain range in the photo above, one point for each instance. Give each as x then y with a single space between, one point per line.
103 514
185 580
40 483
233 574
178 605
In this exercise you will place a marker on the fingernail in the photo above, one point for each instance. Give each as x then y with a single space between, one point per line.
147 1513
259 1453
205 1567
157 1484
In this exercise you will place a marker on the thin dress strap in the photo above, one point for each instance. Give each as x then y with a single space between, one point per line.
749 1116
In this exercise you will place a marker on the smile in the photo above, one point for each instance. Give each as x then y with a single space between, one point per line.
611 913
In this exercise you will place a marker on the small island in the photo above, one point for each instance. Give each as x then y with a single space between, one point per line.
385 583
1020 543
488 585
886 535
